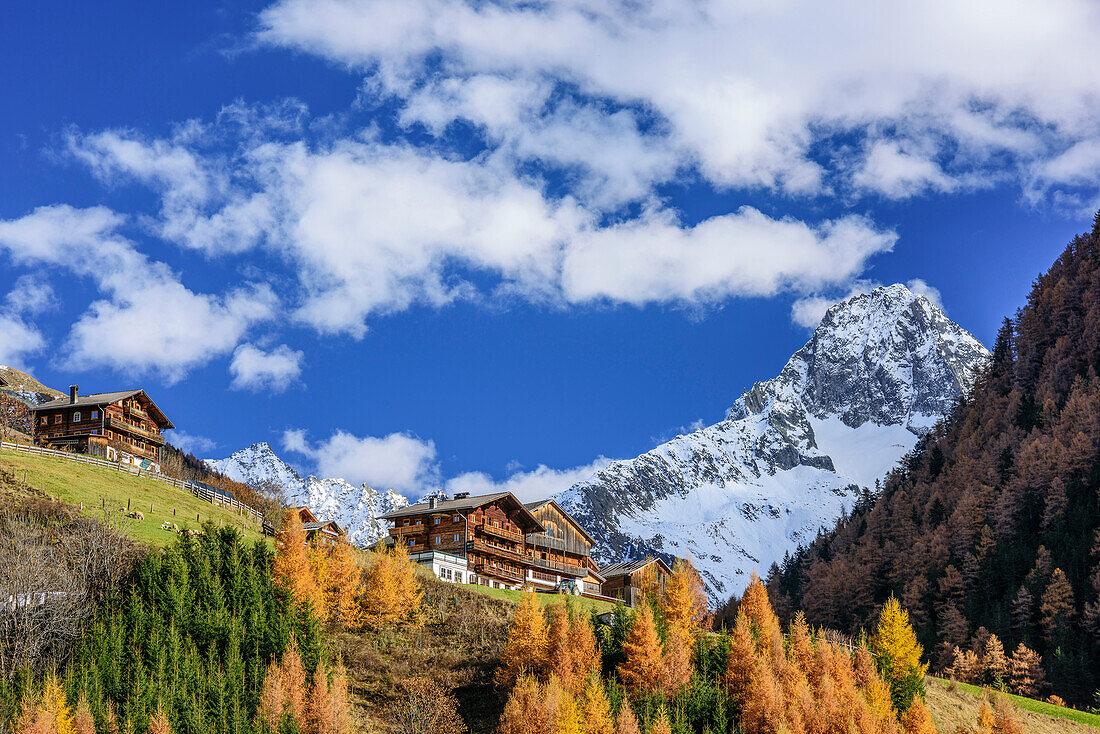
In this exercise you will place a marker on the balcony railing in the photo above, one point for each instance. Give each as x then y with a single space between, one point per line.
577 571
484 569
119 424
408 530
481 546
500 532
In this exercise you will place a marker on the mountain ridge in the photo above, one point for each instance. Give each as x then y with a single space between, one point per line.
880 370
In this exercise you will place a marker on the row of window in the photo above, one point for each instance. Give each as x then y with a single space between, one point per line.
419 521
439 539
449 575
77 417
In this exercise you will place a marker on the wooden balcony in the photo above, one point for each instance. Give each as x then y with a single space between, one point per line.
484 569
480 546
120 425
499 532
561 568
400 530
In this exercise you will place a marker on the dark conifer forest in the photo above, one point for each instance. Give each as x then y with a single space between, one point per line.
991 525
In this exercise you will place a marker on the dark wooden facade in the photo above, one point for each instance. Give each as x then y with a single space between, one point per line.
326 532
627 580
504 542
120 426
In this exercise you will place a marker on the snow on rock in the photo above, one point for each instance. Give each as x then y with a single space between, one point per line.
793 452
357 509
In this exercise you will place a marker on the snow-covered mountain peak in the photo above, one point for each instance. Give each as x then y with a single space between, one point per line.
793 451
357 509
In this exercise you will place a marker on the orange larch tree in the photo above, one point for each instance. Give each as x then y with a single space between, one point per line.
684 600
345 586
640 672
292 563
528 644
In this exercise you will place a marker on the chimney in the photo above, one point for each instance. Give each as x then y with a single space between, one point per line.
431 503
72 394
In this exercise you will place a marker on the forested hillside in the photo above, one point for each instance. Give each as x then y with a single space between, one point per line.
991 524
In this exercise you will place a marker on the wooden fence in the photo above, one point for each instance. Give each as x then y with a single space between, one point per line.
198 490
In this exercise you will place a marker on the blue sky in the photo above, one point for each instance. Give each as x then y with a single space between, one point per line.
439 242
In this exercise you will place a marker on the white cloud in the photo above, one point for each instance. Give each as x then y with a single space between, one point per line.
148 319
749 94
537 484
190 443
31 294
922 288
255 369
373 228
400 460
18 340
897 174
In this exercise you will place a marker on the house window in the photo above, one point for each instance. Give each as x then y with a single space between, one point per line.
438 539
95 431
456 537
412 541
456 518
95 415
45 421
406 523
76 417
57 418
436 520
419 522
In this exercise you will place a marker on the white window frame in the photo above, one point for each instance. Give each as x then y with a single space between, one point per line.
76 416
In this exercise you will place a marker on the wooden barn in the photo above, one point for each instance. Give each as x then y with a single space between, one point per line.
119 426
627 580
319 531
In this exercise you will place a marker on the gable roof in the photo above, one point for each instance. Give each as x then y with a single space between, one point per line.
532 506
629 567
106 398
465 503
307 526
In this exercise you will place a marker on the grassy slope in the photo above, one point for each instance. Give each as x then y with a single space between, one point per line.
579 603
76 483
953 704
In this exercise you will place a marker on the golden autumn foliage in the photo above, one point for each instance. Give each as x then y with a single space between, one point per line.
528 644
684 601
539 708
47 714
640 672
572 655
899 654
391 594
626 722
284 690
917 720
318 714
676 661
82 717
758 610
344 586
595 708
742 653
292 566
660 724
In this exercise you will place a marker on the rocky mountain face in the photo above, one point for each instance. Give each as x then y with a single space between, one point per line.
793 452
355 508
24 387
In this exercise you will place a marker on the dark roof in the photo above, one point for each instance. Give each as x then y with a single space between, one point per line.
3 381
628 567
466 503
318 525
536 505
105 398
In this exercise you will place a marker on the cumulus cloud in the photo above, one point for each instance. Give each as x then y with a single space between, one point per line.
922 288
31 294
529 486
18 340
190 443
374 228
400 460
748 94
148 320
254 369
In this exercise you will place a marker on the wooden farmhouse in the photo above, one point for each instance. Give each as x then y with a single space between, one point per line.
319 531
119 426
627 580
495 540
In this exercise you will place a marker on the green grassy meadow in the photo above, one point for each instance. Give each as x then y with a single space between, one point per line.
97 487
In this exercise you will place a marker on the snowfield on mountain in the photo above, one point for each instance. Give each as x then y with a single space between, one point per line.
793 452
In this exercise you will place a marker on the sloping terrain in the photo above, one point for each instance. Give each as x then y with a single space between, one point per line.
97 487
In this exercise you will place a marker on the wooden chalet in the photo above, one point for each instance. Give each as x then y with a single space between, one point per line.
119 426
562 552
319 531
627 580
496 540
